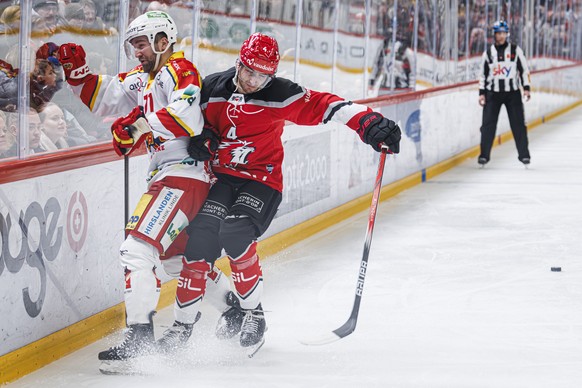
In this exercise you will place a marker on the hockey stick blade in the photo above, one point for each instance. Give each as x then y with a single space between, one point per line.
350 325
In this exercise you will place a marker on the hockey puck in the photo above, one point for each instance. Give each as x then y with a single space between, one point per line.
556 269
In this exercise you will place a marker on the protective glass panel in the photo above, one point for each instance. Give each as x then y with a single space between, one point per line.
55 119
223 26
477 27
393 68
9 77
277 19
317 43
427 40
350 58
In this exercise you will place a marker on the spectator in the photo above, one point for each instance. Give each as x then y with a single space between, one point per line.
54 127
75 16
61 128
6 138
48 10
8 86
10 19
62 4
111 11
9 27
93 23
34 132
45 79
43 84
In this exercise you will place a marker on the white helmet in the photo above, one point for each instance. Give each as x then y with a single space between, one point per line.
149 25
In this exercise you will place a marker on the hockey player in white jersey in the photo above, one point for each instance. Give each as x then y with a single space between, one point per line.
161 95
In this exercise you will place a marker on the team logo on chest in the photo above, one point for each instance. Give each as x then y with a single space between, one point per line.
239 151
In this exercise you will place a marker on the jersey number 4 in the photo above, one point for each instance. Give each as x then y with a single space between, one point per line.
231 133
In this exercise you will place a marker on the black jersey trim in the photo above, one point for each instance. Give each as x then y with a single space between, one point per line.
335 109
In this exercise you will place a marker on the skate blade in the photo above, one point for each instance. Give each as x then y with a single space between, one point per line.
252 350
116 367
121 367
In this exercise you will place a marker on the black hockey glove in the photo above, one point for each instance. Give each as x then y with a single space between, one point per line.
203 146
375 129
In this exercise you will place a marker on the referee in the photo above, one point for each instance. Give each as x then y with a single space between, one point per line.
503 70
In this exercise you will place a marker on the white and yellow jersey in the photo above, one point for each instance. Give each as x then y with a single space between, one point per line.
171 102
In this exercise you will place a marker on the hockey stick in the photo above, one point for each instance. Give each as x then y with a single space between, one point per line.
126 191
136 131
350 325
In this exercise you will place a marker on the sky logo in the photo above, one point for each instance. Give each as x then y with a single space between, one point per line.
501 71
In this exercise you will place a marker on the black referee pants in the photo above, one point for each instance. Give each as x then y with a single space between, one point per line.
514 106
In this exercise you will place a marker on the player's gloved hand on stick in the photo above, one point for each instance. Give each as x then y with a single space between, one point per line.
202 147
123 128
376 130
72 57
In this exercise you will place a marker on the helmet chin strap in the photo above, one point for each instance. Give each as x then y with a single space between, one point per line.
237 87
158 56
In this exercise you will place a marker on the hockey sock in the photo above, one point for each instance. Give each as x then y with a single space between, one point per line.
191 289
142 292
247 276
142 286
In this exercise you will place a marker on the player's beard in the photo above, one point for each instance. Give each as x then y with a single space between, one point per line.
148 64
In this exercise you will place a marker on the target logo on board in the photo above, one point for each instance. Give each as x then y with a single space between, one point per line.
77 221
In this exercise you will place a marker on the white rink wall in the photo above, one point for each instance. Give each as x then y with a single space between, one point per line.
59 234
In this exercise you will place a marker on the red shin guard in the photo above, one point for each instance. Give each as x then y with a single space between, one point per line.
192 283
247 273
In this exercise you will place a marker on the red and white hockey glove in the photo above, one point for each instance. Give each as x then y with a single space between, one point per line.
72 57
130 131
376 130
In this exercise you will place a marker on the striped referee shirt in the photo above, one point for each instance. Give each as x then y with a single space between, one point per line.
503 69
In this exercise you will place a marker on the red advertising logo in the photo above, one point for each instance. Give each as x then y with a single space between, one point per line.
77 221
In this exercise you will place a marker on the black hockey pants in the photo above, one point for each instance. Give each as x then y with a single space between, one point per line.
514 106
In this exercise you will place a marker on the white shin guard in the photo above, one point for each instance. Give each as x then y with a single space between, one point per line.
142 293
142 286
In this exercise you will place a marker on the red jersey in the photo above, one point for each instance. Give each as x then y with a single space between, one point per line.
250 125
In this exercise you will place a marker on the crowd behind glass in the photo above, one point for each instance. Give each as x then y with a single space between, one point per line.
445 30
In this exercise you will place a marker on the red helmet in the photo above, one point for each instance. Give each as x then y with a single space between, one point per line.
261 53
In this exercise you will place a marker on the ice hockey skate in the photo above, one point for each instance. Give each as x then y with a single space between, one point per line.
176 336
231 321
482 161
252 336
139 341
525 161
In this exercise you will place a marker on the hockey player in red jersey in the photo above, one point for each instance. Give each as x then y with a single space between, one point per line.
162 96
245 108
